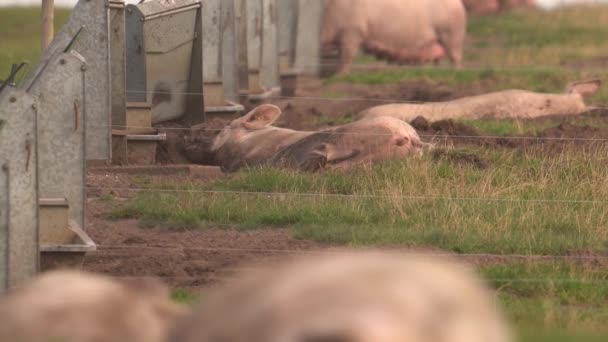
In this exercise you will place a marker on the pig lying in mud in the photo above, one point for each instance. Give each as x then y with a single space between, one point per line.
70 306
252 140
418 31
481 7
518 104
360 297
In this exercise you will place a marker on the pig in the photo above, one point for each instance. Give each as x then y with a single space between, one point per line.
359 297
419 31
481 7
516 104
252 140
73 306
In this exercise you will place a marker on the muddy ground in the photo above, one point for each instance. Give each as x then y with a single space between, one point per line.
193 259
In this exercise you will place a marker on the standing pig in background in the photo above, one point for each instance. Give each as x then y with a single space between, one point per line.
481 7
404 31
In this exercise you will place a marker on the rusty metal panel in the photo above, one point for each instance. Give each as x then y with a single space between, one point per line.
61 131
308 44
93 44
270 45
288 25
118 63
19 257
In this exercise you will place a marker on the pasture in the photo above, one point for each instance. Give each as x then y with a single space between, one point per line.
526 201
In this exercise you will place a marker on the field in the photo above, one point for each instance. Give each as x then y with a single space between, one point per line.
525 201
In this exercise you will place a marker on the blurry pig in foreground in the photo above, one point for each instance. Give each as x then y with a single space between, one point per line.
350 298
69 306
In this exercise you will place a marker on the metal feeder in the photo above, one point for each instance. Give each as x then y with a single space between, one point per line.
164 59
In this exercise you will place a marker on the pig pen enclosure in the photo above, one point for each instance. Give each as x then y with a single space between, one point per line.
524 200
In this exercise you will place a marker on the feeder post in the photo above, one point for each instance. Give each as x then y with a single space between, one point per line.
240 16
118 66
87 31
48 19
288 24
270 45
212 56
19 256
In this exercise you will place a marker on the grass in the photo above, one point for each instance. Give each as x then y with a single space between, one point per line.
556 295
20 35
522 202
184 297
538 37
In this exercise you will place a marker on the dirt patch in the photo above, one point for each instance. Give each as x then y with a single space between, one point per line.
460 157
568 132
319 105
184 259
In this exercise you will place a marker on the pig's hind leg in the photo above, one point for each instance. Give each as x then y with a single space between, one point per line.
350 43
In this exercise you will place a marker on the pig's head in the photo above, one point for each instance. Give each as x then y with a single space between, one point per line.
237 132
579 90
251 139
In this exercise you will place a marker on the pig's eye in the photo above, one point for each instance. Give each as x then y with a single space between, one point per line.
325 338
402 141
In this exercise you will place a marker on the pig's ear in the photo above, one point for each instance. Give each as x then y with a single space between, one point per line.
585 88
261 116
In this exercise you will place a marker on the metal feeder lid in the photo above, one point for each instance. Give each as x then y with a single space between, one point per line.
160 8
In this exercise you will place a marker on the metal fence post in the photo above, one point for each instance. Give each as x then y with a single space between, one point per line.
241 22
270 46
288 35
118 64
212 56
254 45
230 51
308 45
19 256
